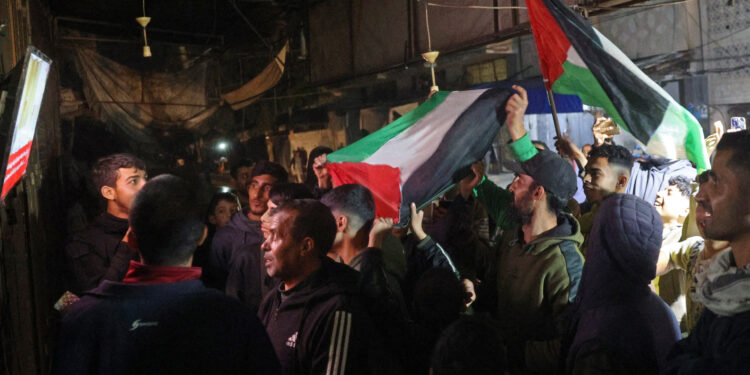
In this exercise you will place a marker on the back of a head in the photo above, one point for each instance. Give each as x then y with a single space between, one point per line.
615 155
287 191
311 219
471 345
270 168
105 170
625 241
166 221
354 201
739 144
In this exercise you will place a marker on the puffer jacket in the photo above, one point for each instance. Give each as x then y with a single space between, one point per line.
619 325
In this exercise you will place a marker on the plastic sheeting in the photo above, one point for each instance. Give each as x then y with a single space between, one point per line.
135 101
252 90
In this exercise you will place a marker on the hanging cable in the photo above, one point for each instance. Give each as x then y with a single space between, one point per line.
473 6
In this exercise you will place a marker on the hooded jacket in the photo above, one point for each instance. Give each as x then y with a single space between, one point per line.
720 342
530 286
98 253
319 326
235 260
619 325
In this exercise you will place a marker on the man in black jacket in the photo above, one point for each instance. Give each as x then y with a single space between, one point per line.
161 319
314 317
99 253
235 259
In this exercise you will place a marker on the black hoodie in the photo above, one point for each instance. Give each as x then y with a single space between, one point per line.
319 326
98 253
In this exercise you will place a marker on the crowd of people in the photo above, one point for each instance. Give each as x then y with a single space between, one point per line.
647 276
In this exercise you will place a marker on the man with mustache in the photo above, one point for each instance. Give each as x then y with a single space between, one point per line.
534 274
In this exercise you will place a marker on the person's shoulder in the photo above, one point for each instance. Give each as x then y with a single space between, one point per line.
338 276
87 311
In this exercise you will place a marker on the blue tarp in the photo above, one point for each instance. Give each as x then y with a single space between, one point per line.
538 103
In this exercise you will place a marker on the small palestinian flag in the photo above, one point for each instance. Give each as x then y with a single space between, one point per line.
415 158
576 59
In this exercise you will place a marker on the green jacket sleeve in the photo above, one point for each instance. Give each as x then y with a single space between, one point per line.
523 149
495 199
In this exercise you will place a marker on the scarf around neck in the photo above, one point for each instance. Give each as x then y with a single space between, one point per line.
724 288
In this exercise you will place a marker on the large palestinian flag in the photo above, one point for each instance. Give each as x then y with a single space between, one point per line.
415 158
576 59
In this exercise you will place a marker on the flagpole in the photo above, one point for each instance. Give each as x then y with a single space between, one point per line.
551 98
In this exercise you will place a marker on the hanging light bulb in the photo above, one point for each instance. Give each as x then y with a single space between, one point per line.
143 21
431 55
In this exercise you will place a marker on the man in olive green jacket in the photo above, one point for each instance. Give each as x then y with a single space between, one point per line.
534 274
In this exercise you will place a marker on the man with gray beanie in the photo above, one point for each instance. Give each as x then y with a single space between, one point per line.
534 273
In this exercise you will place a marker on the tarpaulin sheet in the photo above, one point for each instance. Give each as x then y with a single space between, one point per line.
135 101
266 80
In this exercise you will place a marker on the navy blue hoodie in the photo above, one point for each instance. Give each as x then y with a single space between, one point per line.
620 326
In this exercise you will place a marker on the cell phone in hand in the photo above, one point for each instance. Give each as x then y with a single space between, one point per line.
737 124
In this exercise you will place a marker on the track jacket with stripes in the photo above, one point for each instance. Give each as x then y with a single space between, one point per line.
320 325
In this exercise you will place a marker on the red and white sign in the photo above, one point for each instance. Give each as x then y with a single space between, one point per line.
27 113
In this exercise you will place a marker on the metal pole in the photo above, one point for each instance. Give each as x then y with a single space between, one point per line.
551 98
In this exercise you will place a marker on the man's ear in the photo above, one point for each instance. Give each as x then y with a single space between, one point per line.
539 192
308 246
108 193
212 220
622 182
205 233
686 211
342 222
131 240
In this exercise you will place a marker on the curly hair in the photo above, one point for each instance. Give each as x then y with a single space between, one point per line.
682 183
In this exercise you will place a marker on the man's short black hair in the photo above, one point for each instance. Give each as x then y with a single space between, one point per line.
739 144
682 183
270 168
471 345
166 221
616 155
106 169
704 177
287 191
355 202
311 219
243 162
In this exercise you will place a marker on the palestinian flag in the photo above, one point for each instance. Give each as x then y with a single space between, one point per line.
414 158
576 59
